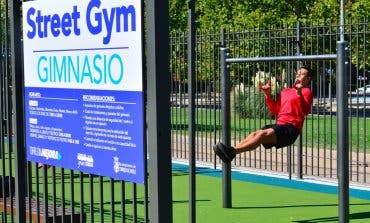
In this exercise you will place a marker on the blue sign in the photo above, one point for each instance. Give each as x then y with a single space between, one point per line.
83 86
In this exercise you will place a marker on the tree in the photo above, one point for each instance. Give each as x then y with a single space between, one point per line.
178 15
235 14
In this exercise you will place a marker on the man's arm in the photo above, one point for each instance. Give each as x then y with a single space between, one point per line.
272 105
306 98
306 101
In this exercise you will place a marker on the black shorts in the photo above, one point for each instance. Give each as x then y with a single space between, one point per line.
286 135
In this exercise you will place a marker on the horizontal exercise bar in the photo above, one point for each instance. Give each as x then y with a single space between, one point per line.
283 58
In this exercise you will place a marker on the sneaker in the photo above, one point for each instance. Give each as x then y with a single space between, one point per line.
226 153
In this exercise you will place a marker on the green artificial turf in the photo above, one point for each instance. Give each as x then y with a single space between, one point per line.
259 203
251 202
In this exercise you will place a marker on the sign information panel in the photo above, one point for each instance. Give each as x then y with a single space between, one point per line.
83 86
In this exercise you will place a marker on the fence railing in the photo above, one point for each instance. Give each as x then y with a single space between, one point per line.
248 112
56 193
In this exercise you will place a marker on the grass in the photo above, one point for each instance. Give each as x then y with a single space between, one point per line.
256 203
318 131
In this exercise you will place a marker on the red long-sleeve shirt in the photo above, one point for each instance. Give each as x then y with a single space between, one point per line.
290 107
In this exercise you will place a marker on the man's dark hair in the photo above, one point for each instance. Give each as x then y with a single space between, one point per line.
309 70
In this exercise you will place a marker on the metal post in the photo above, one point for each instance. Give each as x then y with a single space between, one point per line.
223 44
17 98
226 135
283 58
158 107
299 149
342 129
191 95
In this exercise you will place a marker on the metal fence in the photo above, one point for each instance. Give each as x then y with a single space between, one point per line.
53 194
60 195
248 112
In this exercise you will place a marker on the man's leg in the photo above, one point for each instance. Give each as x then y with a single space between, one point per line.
255 139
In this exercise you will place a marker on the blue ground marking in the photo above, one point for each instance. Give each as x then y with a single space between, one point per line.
275 181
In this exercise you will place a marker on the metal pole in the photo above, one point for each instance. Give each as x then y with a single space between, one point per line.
145 143
342 13
299 149
17 98
223 45
283 58
226 135
191 95
342 128
158 115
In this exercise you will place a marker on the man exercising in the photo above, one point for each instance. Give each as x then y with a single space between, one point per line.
291 107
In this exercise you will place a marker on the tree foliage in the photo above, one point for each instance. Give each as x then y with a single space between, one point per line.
234 14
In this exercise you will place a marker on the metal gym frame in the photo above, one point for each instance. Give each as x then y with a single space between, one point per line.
342 115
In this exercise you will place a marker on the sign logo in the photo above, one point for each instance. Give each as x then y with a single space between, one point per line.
123 167
46 153
85 160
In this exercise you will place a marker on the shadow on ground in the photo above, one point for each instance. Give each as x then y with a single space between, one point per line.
354 216
294 206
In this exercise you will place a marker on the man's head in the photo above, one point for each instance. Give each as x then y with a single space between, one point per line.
303 76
